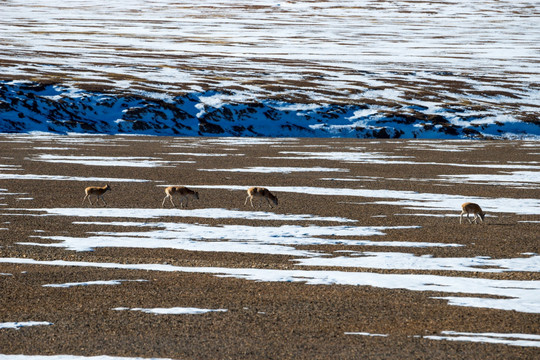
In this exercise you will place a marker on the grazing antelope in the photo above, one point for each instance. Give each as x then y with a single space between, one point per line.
261 193
97 191
182 191
467 208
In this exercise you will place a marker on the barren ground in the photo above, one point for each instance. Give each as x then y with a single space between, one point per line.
263 319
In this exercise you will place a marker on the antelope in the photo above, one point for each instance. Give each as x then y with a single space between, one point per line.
261 193
182 191
97 191
469 207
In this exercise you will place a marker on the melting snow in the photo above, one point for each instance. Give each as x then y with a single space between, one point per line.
18 325
410 199
366 334
529 179
210 213
172 311
322 52
89 283
127 161
64 178
517 295
283 170
527 340
391 260
384 159
228 238
491 338
72 357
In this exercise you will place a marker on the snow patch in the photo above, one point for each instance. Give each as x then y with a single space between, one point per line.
18 325
516 295
526 340
172 311
90 283
403 261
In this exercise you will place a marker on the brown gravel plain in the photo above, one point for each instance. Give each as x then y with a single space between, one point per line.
264 320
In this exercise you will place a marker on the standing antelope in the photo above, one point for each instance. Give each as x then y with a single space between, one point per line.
467 208
182 191
261 193
97 191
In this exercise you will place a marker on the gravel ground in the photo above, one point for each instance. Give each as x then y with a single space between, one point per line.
263 319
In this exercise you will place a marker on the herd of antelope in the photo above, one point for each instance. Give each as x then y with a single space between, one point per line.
260 193
183 193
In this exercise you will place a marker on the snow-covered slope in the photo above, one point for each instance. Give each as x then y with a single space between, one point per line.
272 68
26 107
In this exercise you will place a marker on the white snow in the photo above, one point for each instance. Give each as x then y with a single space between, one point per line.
89 283
72 357
201 154
247 141
126 161
18 325
210 213
517 295
366 334
172 311
472 63
342 48
528 340
281 169
4 176
54 148
386 159
167 231
430 215
280 240
404 261
4 167
530 179
410 199
343 156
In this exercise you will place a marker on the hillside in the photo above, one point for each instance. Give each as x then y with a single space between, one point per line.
386 69
27 107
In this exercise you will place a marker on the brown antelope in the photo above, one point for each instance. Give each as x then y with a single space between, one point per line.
182 191
261 193
467 208
97 191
